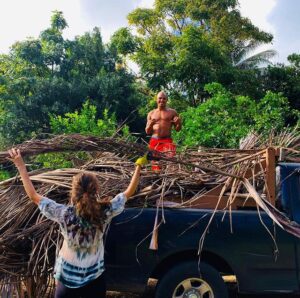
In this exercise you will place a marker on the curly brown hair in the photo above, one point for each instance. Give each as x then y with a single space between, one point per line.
85 198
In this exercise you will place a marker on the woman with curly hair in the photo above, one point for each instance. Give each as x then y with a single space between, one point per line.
79 266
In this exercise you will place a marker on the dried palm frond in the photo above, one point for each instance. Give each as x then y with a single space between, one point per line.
77 142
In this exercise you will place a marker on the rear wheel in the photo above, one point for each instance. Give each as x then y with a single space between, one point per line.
185 281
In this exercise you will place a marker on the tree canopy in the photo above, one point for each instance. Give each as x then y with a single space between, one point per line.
199 51
51 75
184 44
224 119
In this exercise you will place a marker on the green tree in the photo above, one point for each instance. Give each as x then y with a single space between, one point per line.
224 119
53 43
243 58
184 44
85 122
51 75
285 79
58 22
272 112
123 41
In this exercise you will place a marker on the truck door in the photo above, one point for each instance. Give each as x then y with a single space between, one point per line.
290 200
127 255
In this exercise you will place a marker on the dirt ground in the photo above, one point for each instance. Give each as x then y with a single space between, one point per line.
233 294
129 295
149 293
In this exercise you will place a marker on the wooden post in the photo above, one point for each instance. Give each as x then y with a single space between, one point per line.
270 174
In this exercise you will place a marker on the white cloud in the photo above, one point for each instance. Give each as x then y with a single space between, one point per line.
145 3
257 11
22 19
285 19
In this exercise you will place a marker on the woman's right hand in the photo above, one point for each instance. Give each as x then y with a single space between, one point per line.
16 157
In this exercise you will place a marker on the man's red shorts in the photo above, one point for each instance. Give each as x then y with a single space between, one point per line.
165 145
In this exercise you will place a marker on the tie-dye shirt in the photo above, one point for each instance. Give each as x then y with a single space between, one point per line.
81 257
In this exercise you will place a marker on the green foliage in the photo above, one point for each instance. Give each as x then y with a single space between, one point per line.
144 19
224 118
244 59
284 79
180 46
185 44
30 50
123 41
55 160
294 59
52 75
271 112
58 21
85 122
199 60
4 175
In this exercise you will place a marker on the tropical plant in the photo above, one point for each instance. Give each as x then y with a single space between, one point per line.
84 122
244 56
224 119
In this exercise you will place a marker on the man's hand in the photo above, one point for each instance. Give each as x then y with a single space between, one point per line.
151 123
16 157
141 161
176 120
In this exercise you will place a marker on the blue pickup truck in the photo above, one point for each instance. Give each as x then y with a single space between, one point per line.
260 264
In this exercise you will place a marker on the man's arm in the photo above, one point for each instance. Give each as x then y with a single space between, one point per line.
177 122
149 125
16 158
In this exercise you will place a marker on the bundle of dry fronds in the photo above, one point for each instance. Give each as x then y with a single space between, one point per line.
29 242
77 142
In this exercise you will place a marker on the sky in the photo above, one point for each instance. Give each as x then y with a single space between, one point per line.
20 19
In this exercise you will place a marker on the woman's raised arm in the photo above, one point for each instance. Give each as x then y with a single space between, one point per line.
16 158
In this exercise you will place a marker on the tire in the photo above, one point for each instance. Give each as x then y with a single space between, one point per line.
184 281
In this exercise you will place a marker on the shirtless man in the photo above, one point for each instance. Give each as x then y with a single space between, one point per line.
159 123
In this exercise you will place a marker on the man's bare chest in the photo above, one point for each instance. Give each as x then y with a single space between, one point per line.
162 116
